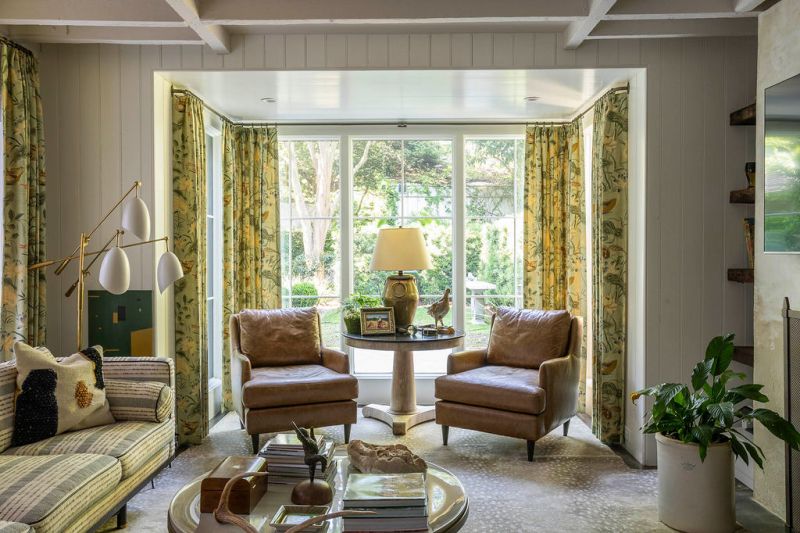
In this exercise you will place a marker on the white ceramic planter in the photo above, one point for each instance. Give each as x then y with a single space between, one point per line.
695 496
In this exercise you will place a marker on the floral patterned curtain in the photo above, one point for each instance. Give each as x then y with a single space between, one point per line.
609 263
23 314
555 224
189 230
251 228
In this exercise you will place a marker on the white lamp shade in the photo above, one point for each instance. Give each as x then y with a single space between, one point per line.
401 249
169 270
115 271
136 218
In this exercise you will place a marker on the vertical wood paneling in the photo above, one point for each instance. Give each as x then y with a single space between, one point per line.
522 46
110 136
315 51
357 50
192 57
209 58
253 51
670 200
235 59
336 51
399 52
89 105
295 51
150 60
564 57
691 175
608 52
377 51
50 76
461 50
586 54
482 50
503 50
274 51
440 50
170 57
420 50
544 49
629 52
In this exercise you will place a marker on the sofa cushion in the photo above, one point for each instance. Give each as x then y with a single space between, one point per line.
297 385
14 527
143 401
8 390
132 443
50 491
279 337
527 338
496 387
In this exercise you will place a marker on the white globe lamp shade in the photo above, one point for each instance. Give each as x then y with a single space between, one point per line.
136 218
115 271
169 270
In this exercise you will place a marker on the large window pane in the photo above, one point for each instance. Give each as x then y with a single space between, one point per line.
493 232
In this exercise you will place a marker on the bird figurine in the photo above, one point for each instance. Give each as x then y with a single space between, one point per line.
311 491
438 310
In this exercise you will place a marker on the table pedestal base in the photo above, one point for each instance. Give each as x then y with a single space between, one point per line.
400 422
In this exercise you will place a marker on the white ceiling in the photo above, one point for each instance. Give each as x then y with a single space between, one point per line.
452 95
212 22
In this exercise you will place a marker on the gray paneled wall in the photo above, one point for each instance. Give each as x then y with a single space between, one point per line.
98 102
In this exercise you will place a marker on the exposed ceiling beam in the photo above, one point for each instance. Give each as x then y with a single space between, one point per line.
577 31
214 35
742 6
259 12
649 29
673 9
97 34
154 13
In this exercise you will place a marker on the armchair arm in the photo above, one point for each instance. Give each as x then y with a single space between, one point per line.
458 362
335 360
240 374
560 380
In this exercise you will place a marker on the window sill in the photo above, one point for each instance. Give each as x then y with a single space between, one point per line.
389 376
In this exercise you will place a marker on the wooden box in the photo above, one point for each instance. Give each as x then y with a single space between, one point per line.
245 494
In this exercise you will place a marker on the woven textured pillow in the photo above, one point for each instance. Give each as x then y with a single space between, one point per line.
57 396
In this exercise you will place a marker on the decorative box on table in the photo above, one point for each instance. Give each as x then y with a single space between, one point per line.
245 493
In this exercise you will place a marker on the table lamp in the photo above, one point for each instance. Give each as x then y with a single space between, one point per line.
401 249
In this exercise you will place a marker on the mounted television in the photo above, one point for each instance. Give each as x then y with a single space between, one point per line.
782 167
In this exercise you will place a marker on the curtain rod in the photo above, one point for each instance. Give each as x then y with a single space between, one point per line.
399 123
12 44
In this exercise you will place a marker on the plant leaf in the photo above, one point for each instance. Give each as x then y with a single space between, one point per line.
700 375
755 453
720 351
750 391
739 450
778 426
722 412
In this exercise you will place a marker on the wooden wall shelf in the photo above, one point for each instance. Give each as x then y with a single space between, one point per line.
743 196
741 275
745 116
743 355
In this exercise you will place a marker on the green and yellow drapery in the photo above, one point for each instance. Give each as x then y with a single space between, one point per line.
189 230
555 223
609 263
23 314
251 227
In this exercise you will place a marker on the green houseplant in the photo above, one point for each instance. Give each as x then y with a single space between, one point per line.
697 438
351 310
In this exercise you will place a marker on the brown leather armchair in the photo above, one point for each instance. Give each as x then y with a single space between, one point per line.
525 384
281 373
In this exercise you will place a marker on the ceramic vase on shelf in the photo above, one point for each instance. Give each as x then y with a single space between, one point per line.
696 496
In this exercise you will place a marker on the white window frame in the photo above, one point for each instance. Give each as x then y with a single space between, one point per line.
457 134
213 129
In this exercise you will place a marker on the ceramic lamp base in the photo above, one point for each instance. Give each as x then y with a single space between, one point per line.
401 294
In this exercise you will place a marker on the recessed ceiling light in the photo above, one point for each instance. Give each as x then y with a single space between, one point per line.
531 98
269 100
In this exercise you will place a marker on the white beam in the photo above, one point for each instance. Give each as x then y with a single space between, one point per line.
577 31
650 29
96 34
214 35
153 13
742 6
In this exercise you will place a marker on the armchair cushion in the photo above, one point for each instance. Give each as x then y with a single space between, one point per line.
280 337
496 387
279 386
526 338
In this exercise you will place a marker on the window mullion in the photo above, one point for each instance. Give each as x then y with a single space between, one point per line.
346 221
458 225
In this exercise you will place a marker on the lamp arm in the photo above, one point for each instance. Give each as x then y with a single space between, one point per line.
50 262
74 255
93 261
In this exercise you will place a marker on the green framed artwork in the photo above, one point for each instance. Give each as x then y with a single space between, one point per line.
122 324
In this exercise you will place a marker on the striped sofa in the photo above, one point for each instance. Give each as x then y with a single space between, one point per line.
78 480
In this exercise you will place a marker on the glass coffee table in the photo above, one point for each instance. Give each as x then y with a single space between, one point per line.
448 505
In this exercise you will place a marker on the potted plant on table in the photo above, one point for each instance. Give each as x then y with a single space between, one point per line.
351 310
698 434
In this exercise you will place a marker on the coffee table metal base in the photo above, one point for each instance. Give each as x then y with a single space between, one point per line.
399 422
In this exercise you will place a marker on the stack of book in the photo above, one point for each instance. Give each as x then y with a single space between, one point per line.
398 501
285 459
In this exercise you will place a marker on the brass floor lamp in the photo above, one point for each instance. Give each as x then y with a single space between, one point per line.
115 275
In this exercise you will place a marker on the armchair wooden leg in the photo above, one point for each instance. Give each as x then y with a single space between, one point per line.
445 434
566 428
255 439
122 517
241 424
347 433
531 445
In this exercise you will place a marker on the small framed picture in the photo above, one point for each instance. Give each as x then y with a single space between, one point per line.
377 321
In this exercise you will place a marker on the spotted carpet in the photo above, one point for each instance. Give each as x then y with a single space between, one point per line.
575 483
